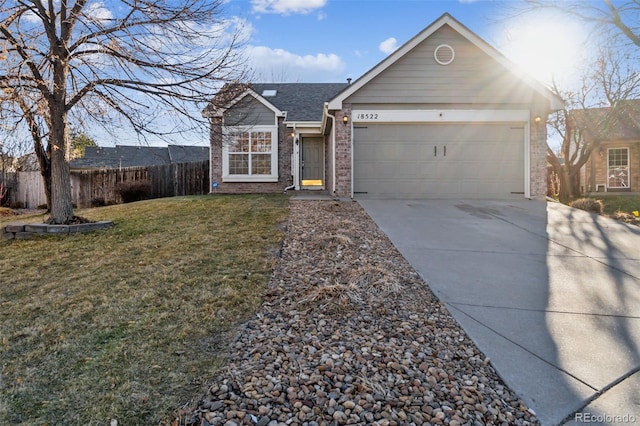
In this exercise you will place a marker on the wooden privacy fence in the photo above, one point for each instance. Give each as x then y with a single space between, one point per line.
30 190
88 186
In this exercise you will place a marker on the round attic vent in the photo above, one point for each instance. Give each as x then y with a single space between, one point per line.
444 54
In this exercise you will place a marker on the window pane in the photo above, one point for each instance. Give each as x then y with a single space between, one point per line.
238 164
618 157
618 170
261 142
239 142
261 164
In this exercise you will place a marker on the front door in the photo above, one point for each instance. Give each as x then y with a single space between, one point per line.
312 163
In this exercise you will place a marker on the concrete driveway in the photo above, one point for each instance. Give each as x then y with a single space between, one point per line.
551 294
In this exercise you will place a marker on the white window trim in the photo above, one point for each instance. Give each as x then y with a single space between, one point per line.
628 166
273 177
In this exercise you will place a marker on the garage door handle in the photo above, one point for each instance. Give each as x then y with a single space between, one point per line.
435 151
445 150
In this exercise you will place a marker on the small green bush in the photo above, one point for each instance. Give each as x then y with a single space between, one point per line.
589 204
131 191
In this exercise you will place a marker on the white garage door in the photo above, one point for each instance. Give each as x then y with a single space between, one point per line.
417 161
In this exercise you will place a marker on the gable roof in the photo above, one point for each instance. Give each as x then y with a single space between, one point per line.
96 157
302 102
231 94
607 123
446 19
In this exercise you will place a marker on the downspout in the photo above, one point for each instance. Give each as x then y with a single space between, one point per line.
293 160
333 149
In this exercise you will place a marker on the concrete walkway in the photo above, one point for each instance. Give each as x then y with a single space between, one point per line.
551 294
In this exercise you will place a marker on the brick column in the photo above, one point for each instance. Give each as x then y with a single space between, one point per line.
343 152
215 152
538 155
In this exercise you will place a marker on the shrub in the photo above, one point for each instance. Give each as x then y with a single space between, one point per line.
131 191
98 202
17 205
624 217
588 204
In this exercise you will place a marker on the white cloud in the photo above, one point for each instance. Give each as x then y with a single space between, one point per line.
287 7
389 45
278 64
98 11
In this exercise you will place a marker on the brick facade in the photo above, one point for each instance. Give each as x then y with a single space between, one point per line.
285 149
343 152
596 166
538 157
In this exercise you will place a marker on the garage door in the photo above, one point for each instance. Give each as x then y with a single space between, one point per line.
416 161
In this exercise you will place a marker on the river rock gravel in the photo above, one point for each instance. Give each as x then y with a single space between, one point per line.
349 334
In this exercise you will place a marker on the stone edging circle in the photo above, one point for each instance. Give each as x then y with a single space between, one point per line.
23 231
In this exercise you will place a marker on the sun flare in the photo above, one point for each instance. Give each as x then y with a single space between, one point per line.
546 48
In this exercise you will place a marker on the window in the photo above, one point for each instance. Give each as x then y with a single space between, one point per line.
251 155
618 168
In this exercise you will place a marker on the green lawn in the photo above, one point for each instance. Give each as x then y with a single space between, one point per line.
128 323
619 203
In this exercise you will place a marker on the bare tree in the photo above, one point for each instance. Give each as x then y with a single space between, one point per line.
109 63
591 112
619 20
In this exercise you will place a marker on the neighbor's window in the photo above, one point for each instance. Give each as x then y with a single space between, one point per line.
251 155
618 168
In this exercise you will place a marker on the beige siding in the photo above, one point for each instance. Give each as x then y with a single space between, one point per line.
472 79
249 112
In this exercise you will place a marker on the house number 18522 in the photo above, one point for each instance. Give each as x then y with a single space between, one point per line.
366 116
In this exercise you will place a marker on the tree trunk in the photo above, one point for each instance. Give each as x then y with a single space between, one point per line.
61 205
59 149
566 188
61 208
44 160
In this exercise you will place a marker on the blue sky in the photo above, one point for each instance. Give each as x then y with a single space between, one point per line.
331 40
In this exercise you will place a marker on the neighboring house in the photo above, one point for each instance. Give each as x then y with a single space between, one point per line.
121 156
614 164
28 163
444 116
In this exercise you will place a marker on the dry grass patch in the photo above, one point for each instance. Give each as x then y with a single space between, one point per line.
358 287
128 323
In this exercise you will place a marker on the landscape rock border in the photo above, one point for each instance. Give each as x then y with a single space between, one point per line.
349 334
24 231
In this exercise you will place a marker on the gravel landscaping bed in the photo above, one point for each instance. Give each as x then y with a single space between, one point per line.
350 334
